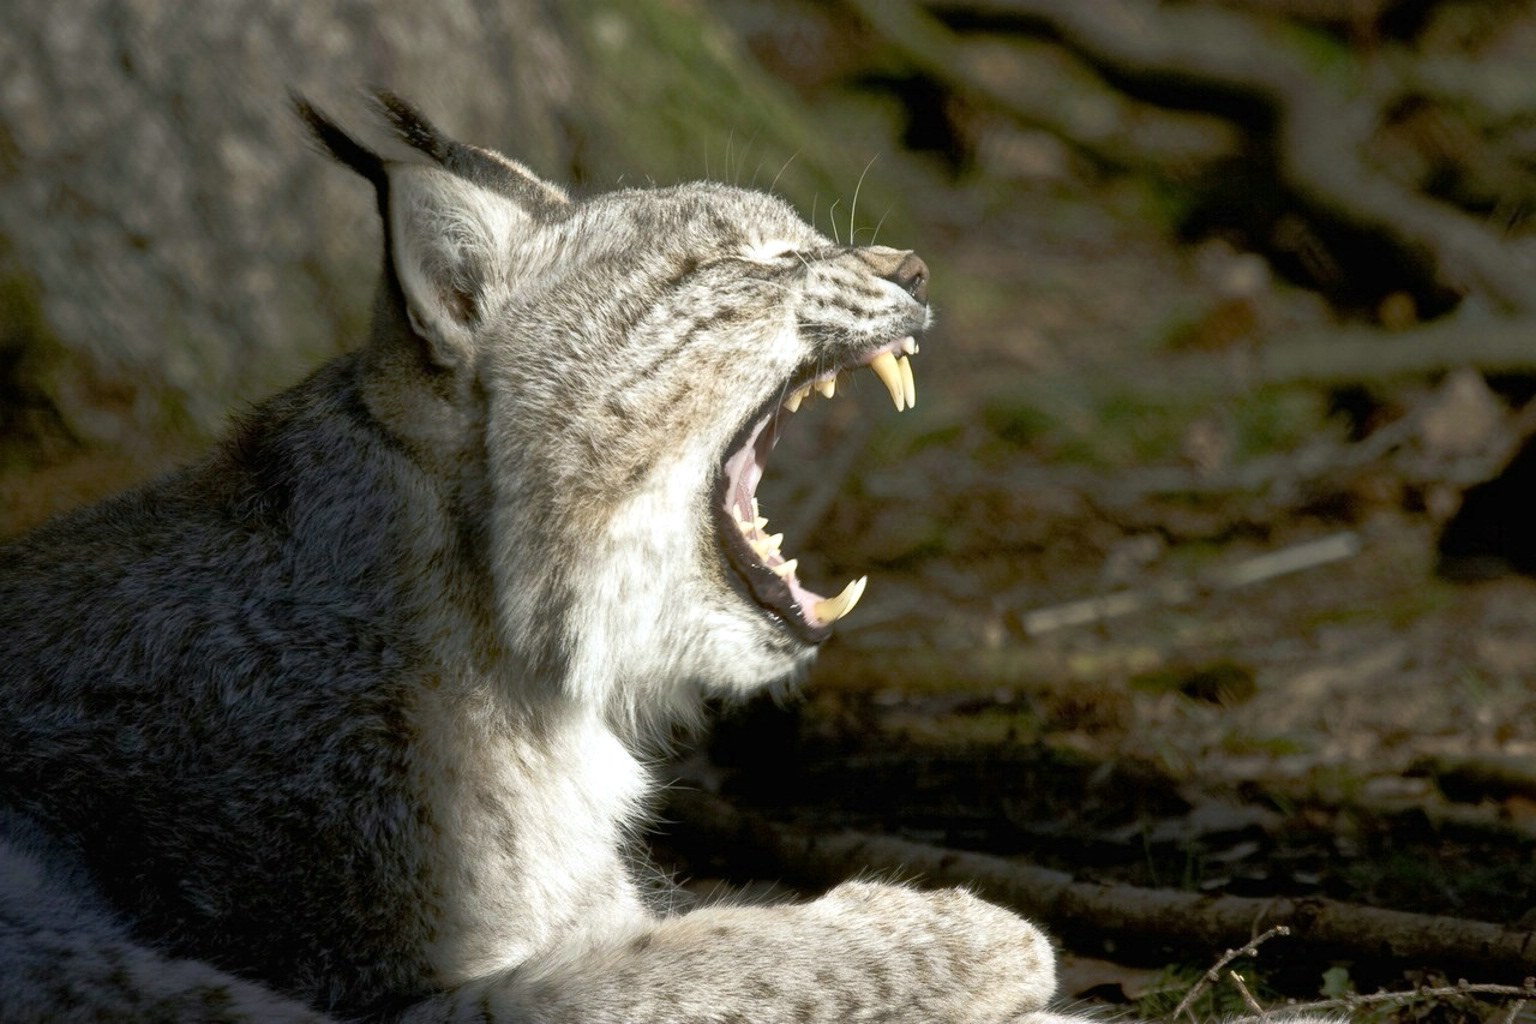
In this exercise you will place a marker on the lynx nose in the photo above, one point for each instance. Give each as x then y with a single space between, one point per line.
905 269
912 274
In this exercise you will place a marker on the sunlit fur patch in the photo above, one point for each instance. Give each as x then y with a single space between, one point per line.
767 250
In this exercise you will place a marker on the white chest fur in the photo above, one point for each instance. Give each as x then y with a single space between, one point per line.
527 824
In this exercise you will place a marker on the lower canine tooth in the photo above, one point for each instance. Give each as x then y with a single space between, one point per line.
889 373
908 385
834 608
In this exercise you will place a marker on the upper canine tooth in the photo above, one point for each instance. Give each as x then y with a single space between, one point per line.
828 388
909 345
833 608
889 373
908 385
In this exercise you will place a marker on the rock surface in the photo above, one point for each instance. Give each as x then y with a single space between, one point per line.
163 222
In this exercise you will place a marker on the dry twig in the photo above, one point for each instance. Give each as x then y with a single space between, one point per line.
1293 558
1214 974
1522 993
1253 1004
1343 1004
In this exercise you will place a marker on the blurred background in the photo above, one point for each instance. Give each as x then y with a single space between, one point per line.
1201 566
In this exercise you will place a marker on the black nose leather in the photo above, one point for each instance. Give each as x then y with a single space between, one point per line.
912 275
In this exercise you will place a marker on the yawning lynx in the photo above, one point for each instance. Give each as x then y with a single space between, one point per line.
344 718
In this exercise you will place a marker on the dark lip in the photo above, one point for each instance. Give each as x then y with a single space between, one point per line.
757 582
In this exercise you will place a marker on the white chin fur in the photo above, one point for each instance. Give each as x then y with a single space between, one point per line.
663 629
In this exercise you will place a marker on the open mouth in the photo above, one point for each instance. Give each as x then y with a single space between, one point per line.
769 575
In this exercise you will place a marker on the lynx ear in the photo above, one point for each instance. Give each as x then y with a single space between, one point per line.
449 245
450 225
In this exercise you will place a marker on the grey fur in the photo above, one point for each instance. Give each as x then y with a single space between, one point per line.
345 718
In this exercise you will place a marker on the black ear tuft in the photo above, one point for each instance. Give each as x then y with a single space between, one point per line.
339 144
479 166
413 128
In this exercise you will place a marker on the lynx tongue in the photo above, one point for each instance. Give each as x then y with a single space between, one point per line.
755 552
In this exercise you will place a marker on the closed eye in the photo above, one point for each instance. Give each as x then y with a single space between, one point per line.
770 251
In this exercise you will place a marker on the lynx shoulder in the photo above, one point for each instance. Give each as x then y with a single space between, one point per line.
344 718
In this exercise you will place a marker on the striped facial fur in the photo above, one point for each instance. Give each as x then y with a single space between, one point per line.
639 352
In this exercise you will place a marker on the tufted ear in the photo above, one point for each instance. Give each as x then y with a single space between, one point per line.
450 242
450 225
484 167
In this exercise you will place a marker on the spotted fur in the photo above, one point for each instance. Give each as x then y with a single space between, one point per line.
345 718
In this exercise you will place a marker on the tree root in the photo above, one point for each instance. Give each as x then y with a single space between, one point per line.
1089 915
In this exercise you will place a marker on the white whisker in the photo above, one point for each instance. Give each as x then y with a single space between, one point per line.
876 233
772 184
853 210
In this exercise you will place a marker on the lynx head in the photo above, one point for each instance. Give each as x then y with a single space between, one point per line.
630 359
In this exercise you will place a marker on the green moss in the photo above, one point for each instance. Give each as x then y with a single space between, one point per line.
983 727
1150 202
1018 424
1108 422
1277 419
1325 57
1418 597
1242 745
1077 419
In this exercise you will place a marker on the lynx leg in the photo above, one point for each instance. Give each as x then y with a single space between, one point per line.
863 952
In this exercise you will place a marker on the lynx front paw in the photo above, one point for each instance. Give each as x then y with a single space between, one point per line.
966 960
861 954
